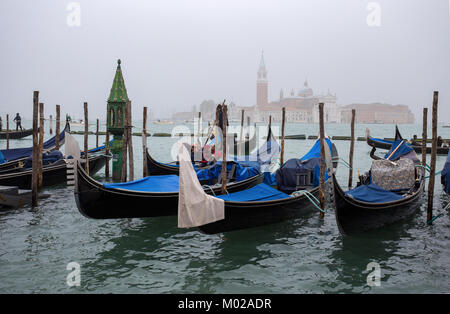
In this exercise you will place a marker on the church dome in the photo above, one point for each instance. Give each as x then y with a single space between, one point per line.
306 91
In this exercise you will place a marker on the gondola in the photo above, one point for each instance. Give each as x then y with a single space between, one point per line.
369 206
52 174
263 204
445 175
14 158
156 168
14 135
387 144
99 201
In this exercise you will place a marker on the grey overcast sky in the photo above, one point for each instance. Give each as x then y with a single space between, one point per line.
177 53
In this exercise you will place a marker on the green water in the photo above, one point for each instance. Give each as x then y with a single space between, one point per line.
154 256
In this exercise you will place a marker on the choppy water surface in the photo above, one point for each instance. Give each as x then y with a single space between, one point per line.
154 256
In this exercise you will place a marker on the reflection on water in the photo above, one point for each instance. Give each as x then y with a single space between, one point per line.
154 256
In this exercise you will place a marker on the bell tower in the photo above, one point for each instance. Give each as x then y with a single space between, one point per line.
117 101
262 84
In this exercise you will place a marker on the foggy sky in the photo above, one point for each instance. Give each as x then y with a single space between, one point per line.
177 53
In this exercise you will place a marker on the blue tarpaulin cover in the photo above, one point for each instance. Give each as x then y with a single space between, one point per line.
260 192
17 153
2 158
403 149
47 159
166 183
286 176
243 172
445 175
372 193
381 140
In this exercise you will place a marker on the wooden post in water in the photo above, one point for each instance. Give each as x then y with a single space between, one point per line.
96 133
224 145
248 127
34 159
130 142
322 160
7 131
283 118
433 158
144 144
86 133
41 143
58 124
424 137
198 123
51 124
352 147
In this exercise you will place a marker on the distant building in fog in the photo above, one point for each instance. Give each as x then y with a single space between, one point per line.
378 113
302 106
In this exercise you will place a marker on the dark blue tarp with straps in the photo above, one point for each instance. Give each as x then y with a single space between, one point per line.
258 193
286 176
18 153
372 193
445 175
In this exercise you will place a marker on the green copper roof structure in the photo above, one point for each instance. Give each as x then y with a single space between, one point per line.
118 90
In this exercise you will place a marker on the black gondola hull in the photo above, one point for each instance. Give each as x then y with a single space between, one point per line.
13 135
95 201
51 175
244 215
354 217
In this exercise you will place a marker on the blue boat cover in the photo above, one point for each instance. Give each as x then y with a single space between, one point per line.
403 149
47 159
286 176
445 175
2 158
372 193
258 193
166 183
18 153
243 172
314 152
381 140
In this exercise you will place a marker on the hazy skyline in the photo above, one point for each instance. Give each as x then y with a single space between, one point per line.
175 54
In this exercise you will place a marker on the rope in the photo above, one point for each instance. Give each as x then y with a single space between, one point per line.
339 160
429 222
310 197
209 187
439 172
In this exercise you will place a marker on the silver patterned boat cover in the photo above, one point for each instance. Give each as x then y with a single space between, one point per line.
393 175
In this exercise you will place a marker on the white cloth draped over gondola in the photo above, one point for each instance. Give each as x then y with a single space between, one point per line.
195 207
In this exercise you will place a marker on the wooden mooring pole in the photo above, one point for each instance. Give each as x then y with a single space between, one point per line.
199 124
352 147
34 159
96 133
144 144
51 124
7 131
41 143
322 160
424 136
224 146
433 158
58 125
130 143
283 118
86 141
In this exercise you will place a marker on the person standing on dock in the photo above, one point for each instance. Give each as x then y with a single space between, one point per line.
414 140
18 121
